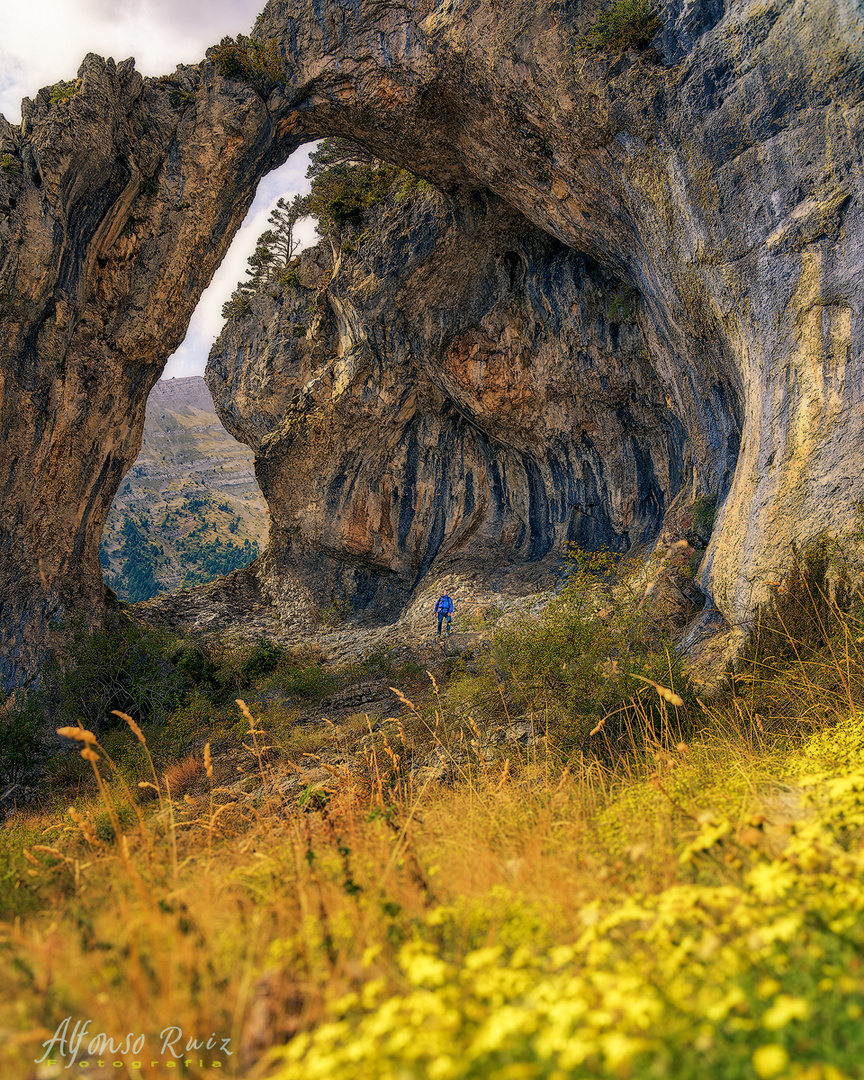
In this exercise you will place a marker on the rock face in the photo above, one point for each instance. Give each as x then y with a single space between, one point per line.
458 389
718 179
108 211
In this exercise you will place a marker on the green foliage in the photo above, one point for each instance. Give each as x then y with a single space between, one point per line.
621 307
212 559
179 98
263 660
273 259
143 565
627 24
697 980
147 187
704 510
9 164
591 655
22 741
238 307
305 680
257 63
411 186
342 192
228 669
195 664
289 278
283 219
334 613
124 669
122 813
347 181
805 611
62 92
139 561
798 664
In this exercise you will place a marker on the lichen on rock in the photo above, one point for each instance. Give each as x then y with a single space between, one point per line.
716 178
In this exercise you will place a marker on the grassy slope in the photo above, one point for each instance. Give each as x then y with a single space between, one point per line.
688 908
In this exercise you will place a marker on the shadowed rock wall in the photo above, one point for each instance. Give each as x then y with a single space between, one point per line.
720 178
454 388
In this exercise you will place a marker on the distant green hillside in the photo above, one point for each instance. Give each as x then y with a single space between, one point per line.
189 509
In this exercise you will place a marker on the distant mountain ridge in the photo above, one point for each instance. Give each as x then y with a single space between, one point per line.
189 509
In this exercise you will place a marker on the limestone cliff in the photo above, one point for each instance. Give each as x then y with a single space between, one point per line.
717 177
446 386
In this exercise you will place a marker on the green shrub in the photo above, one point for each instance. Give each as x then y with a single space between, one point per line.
621 305
238 307
805 609
179 98
334 613
344 194
67 769
22 742
197 717
590 657
263 660
306 679
627 24
704 510
104 827
124 669
61 92
347 181
255 62
797 667
9 164
194 663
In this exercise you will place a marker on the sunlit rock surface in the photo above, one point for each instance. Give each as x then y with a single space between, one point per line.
458 390
718 178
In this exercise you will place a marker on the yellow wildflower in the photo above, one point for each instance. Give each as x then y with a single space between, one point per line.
784 1009
769 1060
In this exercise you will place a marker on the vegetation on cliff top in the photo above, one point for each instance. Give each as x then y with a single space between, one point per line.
625 24
679 894
255 62
347 182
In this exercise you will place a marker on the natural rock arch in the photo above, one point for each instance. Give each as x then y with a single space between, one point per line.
721 178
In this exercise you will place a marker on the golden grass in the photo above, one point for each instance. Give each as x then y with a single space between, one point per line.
246 920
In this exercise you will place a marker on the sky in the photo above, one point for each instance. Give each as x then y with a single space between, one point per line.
44 41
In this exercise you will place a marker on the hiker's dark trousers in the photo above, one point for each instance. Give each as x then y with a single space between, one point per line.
442 615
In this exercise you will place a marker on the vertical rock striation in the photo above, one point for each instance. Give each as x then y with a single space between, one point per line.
719 178
454 388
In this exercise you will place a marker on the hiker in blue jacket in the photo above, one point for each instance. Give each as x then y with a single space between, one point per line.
444 609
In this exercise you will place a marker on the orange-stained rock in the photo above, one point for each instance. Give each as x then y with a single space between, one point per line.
717 177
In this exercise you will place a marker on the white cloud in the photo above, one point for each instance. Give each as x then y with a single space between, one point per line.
45 41
191 357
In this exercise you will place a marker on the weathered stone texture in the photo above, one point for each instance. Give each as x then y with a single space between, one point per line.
719 178
460 387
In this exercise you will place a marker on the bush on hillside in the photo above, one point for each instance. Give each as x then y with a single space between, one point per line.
627 24
344 192
590 657
256 63
22 742
805 609
796 668
127 670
